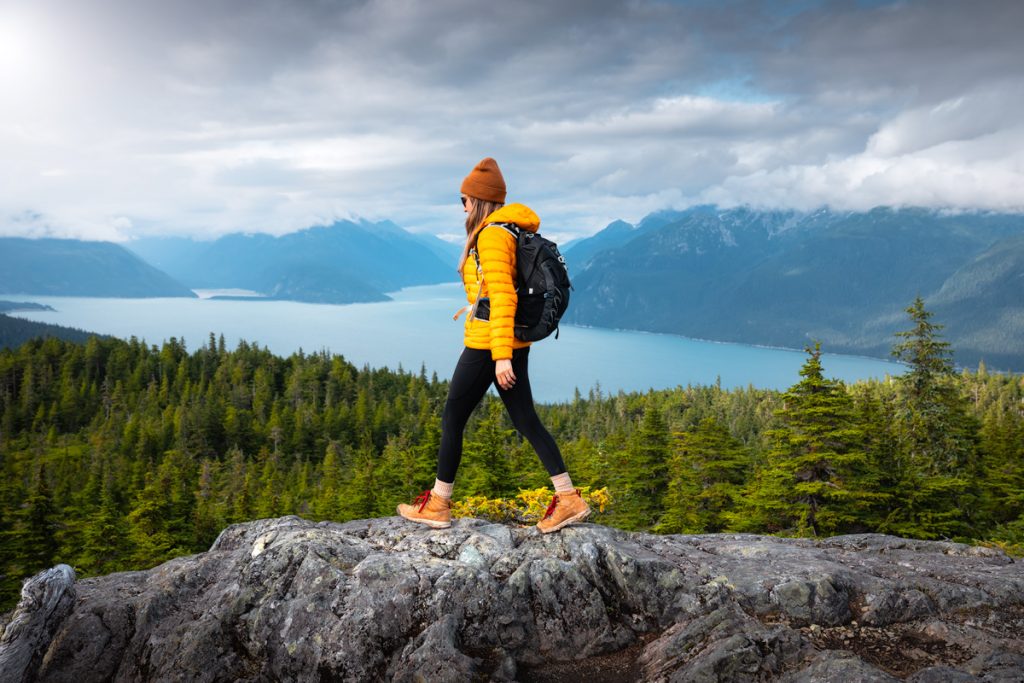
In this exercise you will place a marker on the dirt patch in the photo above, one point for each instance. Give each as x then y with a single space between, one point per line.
899 649
615 667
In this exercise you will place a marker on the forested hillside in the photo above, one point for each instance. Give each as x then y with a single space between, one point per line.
15 331
117 455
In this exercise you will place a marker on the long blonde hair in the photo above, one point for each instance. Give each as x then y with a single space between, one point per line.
481 210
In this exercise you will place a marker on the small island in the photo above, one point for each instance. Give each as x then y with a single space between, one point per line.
12 306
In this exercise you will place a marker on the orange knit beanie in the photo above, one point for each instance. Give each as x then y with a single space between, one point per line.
485 182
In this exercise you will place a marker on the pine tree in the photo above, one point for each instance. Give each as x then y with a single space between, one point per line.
527 471
34 537
397 476
208 517
706 470
485 468
937 433
586 461
1002 451
817 479
270 502
358 498
160 522
644 477
326 500
236 503
936 493
426 451
103 549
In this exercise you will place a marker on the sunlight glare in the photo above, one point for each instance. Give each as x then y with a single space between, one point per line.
21 57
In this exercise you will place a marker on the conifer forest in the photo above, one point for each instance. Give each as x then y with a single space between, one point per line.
115 455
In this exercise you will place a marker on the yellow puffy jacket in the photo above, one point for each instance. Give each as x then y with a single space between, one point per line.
497 250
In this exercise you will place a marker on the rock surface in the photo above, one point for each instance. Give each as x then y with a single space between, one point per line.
387 599
45 601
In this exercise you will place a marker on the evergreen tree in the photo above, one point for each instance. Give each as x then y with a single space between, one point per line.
208 516
937 473
103 550
1002 451
234 496
586 461
937 435
326 500
706 470
644 478
270 503
425 452
358 498
527 471
34 532
398 476
160 524
485 468
817 479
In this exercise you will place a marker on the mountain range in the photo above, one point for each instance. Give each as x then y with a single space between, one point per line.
788 278
63 267
782 278
345 262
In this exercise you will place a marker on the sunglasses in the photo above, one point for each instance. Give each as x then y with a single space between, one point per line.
464 198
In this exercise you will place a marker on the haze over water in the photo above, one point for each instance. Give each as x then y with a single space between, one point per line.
417 328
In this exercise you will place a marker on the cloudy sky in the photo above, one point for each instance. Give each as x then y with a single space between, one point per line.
121 118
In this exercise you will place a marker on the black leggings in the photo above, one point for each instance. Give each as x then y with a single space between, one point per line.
473 375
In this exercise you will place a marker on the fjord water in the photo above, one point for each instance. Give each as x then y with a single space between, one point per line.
417 328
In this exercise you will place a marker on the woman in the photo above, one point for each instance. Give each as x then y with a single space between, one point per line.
493 354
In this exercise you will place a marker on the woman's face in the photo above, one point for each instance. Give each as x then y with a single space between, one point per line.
467 203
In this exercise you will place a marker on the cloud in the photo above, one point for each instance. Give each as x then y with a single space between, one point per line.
969 116
963 153
126 118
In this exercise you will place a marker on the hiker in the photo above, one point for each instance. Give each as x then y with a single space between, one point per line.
493 354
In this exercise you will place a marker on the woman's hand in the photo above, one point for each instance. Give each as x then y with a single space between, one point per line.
503 373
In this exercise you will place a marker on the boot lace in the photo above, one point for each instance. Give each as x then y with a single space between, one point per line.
551 507
422 499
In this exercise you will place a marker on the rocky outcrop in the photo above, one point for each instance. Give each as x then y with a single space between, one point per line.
386 599
45 601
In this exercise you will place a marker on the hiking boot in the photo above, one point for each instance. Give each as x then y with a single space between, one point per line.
565 508
430 509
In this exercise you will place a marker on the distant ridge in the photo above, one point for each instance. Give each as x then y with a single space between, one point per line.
345 262
63 267
785 278
615 234
983 302
14 332
9 306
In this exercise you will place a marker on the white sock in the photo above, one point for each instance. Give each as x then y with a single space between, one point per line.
562 482
443 488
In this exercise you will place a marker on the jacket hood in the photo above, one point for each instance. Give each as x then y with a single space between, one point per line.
520 214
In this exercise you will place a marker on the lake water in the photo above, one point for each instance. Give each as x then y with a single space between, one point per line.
417 328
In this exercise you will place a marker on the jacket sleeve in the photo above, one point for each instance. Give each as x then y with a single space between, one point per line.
497 249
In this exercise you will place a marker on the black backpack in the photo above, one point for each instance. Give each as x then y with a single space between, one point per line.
542 285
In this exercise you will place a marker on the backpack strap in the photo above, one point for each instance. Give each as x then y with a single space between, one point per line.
471 308
514 230
511 228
